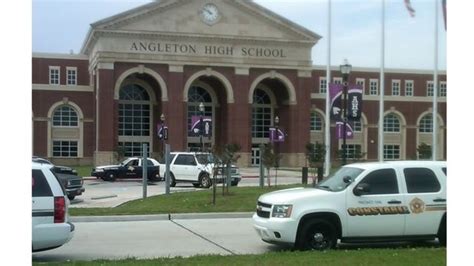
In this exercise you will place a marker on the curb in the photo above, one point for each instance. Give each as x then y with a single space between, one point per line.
160 217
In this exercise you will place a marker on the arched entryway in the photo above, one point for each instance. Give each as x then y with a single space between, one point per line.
138 97
214 91
270 96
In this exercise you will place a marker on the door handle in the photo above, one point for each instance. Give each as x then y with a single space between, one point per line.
439 200
394 202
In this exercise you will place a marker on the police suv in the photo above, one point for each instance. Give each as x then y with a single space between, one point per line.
362 202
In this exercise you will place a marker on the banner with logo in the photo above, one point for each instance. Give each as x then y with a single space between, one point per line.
276 135
354 102
197 125
162 132
349 130
335 96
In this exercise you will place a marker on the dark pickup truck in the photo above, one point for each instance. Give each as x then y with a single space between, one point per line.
72 183
129 168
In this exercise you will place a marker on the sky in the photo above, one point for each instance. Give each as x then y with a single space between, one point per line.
59 26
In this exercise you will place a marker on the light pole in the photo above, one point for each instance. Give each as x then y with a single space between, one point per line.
277 159
201 125
162 119
345 71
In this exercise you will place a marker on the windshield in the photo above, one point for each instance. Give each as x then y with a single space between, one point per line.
336 182
205 158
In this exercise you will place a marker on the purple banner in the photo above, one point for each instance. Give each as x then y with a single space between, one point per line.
162 132
197 125
354 102
349 130
335 96
276 136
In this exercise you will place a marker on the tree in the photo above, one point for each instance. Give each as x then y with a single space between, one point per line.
315 154
424 151
224 157
270 159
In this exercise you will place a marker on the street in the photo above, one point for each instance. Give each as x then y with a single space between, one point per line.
160 238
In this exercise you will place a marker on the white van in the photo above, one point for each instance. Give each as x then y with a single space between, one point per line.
51 228
389 201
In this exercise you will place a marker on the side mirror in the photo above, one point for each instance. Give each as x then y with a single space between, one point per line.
347 179
361 189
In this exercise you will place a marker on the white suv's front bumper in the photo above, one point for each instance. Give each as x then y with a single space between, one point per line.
276 230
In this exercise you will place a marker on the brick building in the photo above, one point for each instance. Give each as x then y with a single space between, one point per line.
245 63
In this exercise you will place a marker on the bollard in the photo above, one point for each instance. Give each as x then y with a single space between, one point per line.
320 174
304 176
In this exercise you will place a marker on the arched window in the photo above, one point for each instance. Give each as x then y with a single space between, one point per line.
261 114
426 124
316 122
65 116
134 111
357 126
197 95
391 123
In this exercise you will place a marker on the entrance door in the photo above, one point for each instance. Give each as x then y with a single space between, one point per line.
255 160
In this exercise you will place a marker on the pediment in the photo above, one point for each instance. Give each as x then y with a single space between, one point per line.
237 20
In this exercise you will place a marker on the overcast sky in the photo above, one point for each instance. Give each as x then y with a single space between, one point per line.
59 26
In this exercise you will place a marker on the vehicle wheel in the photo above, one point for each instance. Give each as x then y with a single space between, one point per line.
442 233
109 177
317 234
70 197
205 181
234 184
172 180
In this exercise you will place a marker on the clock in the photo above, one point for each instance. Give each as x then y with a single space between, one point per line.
209 13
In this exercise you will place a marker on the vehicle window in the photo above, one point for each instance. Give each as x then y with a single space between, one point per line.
383 181
336 181
445 170
40 185
421 180
162 159
149 163
185 159
132 163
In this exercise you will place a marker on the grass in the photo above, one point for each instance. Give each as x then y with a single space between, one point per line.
84 170
398 256
239 199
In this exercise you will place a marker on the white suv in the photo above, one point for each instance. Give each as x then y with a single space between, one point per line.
404 200
51 228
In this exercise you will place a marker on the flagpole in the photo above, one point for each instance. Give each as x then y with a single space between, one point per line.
327 129
382 87
435 88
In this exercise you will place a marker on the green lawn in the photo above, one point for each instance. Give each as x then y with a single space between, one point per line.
239 199
398 256
83 170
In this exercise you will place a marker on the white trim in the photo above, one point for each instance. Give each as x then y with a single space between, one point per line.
445 88
361 80
209 72
337 80
396 81
386 70
304 73
274 75
52 87
242 71
142 69
176 68
69 68
428 83
107 66
61 56
59 75
80 117
410 81
320 87
377 84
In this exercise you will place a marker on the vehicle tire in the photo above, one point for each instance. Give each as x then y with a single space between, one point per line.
109 177
172 180
442 237
205 181
317 234
234 184
71 197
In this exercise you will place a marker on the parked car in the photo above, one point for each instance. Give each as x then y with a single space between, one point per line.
363 202
197 168
129 168
50 217
68 177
